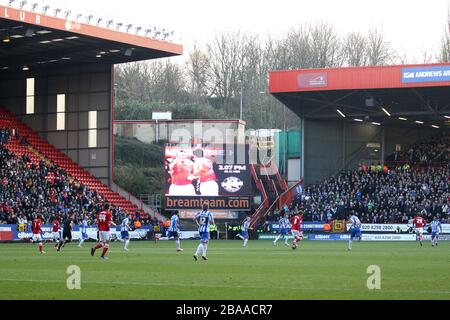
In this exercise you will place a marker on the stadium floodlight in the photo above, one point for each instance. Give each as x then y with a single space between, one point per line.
99 20
6 39
419 122
23 3
376 123
387 112
56 11
166 35
129 52
435 126
45 9
403 119
119 25
129 26
25 68
341 113
358 120
89 18
29 33
138 29
447 117
34 6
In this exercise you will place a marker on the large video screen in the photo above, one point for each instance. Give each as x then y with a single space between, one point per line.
218 174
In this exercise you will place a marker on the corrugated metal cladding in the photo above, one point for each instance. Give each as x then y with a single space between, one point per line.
347 79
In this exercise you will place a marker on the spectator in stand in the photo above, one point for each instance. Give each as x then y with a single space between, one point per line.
380 195
432 150
5 135
25 191
24 141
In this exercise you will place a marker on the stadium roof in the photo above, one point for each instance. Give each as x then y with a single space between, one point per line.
395 95
40 40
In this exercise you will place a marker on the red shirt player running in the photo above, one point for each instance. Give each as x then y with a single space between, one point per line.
55 231
104 220
419 223
296 222
37 230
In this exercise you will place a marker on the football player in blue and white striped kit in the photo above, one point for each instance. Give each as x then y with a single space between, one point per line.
284 225
174 231
83 231
436 227
124 232
355 230
244 231
203 219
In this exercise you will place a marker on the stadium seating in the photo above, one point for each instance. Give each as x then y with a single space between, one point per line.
412 182
39 149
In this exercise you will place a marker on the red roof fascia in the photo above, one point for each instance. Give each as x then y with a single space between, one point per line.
61 24
355 78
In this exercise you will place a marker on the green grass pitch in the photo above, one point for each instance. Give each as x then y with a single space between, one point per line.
317 270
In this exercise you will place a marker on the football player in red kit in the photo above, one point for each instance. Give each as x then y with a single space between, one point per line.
37 230
419 223
296 222
55 232
104 220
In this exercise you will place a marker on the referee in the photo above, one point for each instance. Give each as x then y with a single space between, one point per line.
67 233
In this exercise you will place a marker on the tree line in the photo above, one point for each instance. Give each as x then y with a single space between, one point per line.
209 83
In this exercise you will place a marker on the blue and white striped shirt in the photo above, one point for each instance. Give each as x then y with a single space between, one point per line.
125 226
204 219
174 224
356 223
84 226
435 226
245 226
284 223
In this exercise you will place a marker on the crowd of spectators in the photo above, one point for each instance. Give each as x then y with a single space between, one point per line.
5 135
381 194
435 150
28 190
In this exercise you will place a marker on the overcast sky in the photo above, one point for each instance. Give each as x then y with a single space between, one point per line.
411 25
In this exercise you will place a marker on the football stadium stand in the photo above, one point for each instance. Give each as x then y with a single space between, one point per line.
57 109
35 169
418 182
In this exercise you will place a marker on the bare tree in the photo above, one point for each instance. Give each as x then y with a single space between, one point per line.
428 57
355 50
379 49
154 81
325 45
226 60
445 42
197 71
295 50
133 81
